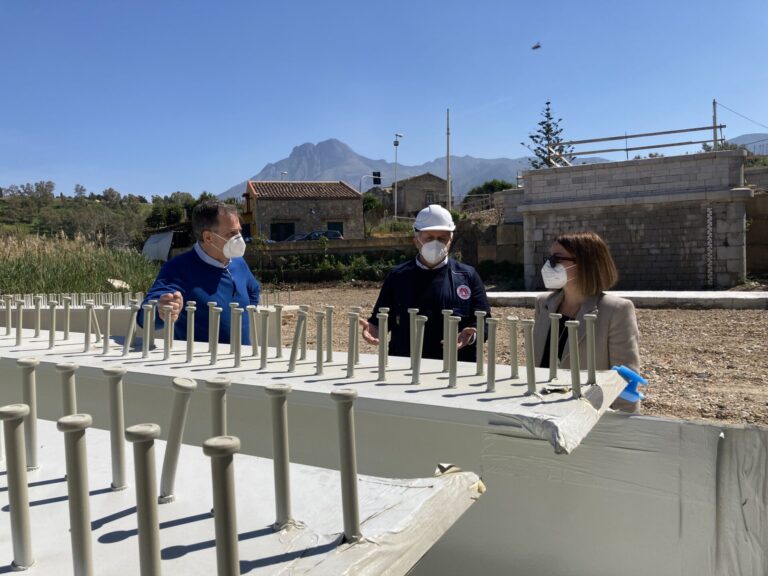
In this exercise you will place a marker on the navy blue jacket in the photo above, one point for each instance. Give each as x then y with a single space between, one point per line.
455 286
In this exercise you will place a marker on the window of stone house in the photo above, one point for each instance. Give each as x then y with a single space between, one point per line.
429 198
338 226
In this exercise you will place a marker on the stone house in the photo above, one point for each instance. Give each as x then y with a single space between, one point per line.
276 210
413 194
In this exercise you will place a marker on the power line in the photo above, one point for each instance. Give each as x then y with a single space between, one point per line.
742 115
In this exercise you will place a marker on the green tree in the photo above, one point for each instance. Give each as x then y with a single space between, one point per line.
724 145
485 189
548 142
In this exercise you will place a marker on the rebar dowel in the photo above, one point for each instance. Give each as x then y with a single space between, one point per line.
143 437
573 350
13 416
107 327
493 324
218 386
115 375
147 328
303 355
29 397
386 334
345 401
232 328
512 323
412 312
190 331
530 366
73 426
453 335
182 393
221 450
278 330
480 342
446 314
38 301
329 334
301 319
237 340
278 394
554 344
417 350
382 346
213 337
67 315
353 318
131 328
68 387
52 323
264 317
590 319
211 306
19 321
253 332
8 314
319 317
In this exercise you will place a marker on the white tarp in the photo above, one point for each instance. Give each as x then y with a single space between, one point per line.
158 246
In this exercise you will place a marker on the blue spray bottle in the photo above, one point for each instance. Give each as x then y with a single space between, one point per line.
633 379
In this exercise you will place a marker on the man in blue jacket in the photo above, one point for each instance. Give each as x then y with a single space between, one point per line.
213 271
431 282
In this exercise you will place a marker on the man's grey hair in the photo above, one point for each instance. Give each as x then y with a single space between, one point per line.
205 216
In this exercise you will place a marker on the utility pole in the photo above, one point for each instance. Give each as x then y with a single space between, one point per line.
396 144
448 190
714 124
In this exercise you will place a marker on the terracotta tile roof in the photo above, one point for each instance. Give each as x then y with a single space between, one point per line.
287 190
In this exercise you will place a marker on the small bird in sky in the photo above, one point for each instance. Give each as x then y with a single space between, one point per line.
536 46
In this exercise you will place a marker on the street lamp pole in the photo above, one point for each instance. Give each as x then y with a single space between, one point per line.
396 143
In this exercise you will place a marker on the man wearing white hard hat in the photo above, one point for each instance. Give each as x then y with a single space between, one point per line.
431 282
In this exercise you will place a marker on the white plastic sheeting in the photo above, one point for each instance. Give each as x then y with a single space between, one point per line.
158 246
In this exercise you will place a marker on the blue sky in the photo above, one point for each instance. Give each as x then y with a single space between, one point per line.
150 97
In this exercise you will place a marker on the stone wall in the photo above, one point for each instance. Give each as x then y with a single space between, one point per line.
757 177
757 235
310 215
672 223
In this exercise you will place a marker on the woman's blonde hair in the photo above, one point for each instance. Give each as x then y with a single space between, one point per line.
596 269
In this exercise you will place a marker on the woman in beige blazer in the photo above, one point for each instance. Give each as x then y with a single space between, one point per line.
579 269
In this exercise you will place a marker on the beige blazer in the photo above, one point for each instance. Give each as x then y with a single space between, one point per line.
616 334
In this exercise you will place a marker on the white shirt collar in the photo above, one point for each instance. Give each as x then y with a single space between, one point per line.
420 265
208 259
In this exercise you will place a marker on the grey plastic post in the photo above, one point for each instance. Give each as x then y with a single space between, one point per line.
19 321
145 337
232 328
131 328
446 314
278 330
213 337
264 317
554 344
73 427
153 315
512 323
329 334
412 312
417 350
29 396
52 323
453 354
16 479
182 393
143 437
303 355
211 306
115 375
493 324
319 316
237 342
67 315
190 331
590 319
345 401
38 302
167 331
221 450
8 314
480 342
357 310
88 326
218 386
353 319
68 387
573 348
253 332
384 310
301 320
382 317
278 394
95 319
107 326
530 366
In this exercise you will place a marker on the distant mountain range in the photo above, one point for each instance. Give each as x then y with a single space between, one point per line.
333 160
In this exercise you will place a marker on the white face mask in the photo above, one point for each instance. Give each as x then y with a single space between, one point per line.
554 278
234 247
433 252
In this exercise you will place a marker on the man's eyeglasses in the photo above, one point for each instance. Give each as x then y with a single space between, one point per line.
554 259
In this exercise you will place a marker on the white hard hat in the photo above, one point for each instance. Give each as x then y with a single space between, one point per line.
434 217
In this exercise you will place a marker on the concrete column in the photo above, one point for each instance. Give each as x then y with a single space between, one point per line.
345 400
52 323
67 315
383 328
301 322
115 375
590 319
253 332
221 450
353 319
147 330
213 337
530 362
573 346
446 314
191 309
19 321
264 318
417 349
412 312
303 355
218 386
278 395
512 323
107 327
211 306
38 302
319 316
278 330
131 328
453 335
182 393
29 395
554 344
493 324
480 342
329 334
68 387
236 343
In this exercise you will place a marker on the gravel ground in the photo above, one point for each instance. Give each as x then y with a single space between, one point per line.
701 364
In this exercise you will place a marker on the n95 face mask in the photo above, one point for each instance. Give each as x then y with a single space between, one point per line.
433 252
554 278
234 247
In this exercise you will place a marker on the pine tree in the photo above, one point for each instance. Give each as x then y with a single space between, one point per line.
548 137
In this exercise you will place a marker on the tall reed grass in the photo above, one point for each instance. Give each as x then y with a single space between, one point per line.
33 265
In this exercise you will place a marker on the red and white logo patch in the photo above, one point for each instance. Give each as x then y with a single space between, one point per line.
463 292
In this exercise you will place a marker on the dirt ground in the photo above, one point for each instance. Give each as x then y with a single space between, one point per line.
700 364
